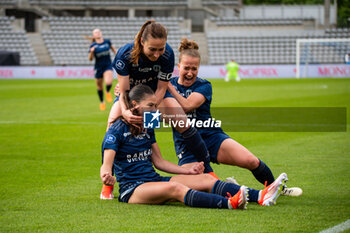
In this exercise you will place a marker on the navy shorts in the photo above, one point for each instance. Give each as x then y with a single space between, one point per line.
99 72
127 190
213 139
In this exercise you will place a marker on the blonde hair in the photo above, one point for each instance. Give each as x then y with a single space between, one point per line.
188 47
149 29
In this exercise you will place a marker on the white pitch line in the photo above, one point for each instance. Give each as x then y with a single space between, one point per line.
338 228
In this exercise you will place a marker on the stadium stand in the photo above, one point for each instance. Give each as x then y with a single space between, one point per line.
232 21
67 44
16 41
254 44
268 49
254 40
109 3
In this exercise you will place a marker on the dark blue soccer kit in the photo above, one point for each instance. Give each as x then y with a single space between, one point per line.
102 57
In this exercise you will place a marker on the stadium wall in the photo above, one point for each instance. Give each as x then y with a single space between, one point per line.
219 71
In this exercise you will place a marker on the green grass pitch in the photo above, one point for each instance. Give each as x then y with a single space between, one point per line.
51 133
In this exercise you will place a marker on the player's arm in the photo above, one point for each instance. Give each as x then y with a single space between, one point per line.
123 86
194 101
91 53
106 168
113 49
169 167
161 89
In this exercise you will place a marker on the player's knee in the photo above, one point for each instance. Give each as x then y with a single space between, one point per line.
207 182
175 188
252 163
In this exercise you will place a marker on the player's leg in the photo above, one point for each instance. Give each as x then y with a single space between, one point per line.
236 76
227 77
205 182
108 78
239 194
201 182
160 192
99 84
192 139
233 153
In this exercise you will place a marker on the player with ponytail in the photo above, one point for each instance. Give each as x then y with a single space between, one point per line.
130 152
149 60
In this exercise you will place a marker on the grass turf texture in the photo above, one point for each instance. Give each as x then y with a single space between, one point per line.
51 133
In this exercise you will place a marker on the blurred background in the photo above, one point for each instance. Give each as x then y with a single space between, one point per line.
52 32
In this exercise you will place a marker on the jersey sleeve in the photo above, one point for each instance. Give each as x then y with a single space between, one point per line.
112 140
167 68
121 61
205 89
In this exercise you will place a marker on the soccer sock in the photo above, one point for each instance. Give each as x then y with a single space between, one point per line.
100 95
214 175
205 200
263 173
222 188
197 147
108 88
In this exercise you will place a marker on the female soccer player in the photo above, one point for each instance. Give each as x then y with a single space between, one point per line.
194 95
150 61
103 67
131 152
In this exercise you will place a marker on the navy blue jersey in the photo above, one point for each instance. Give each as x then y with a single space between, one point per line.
203 87
146 72
101 53
132 162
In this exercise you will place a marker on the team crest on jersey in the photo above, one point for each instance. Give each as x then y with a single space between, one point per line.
120 64
110 139
156 68
188 93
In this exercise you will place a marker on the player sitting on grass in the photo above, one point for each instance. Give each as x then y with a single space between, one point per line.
194 95
130 151
150 60
103 66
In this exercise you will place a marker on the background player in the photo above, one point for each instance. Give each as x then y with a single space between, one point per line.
131 150
99 49
194 95
232 69
150 61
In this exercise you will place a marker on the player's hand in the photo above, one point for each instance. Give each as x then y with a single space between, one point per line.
92 49
197 168
131 118
117 90
108 179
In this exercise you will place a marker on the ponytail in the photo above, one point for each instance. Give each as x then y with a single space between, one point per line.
149 28
90 38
